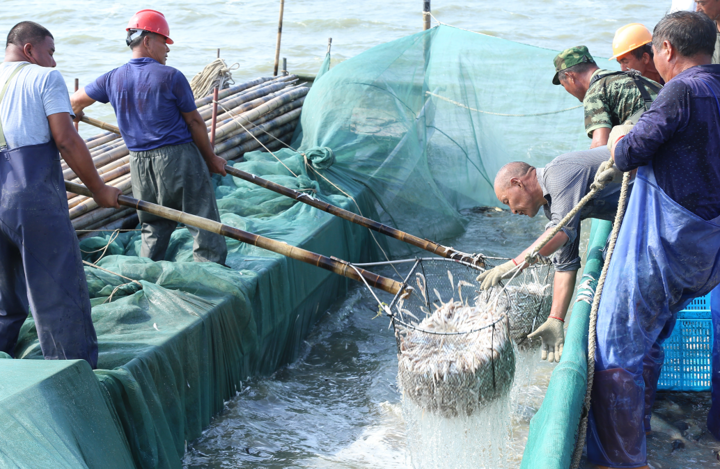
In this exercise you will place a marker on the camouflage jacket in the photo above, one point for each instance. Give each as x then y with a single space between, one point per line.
611 100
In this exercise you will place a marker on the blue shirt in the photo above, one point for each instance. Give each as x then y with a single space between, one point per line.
148 98
680 136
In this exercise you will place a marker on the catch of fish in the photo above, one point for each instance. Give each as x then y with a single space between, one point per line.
461 356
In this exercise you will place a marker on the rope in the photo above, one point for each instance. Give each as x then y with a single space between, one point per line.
595 187
90 264
216 73
592 333
500 114
115 234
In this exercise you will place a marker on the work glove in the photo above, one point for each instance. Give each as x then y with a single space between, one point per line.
492 277
608 173
553 339
617 132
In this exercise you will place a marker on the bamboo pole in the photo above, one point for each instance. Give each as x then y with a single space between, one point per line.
256 130
284 109
213 124
269 106
426 15
124 212
429 246
279 36
88 205
101 140
257 142
77 87
102 125
333 265
120 223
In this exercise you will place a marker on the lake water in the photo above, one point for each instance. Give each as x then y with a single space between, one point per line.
90 35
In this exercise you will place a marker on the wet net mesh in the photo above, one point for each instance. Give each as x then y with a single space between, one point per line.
456 345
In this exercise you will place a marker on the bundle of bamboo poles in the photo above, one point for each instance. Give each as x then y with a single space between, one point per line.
260 114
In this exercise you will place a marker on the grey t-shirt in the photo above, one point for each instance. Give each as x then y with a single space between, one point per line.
716 55
34 93
566 180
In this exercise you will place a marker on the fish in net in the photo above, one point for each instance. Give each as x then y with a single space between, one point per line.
527 301
459 356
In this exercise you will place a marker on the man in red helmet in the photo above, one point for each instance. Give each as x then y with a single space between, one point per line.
170 154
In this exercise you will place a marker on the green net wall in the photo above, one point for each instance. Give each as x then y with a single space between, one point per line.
426 121
416 130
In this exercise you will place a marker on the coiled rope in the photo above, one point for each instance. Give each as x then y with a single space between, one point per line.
216 73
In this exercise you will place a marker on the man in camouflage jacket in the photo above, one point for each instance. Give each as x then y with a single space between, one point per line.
609 98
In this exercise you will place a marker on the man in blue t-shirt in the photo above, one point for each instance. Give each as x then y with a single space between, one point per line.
170 153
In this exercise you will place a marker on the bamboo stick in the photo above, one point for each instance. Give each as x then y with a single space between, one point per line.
333 265
256 142
123 212
279 36
131 220
124 184
263 109
102 125
256 130
232 90
424 244
99 215
252 90
285 108
245 97
101 139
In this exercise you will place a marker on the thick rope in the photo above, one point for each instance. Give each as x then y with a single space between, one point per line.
595 187
592 333
217 73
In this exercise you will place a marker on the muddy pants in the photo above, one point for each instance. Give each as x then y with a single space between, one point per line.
176 176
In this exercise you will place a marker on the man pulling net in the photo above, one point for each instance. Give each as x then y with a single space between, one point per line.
557 188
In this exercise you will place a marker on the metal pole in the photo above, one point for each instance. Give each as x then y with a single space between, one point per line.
284 70
277 47
77 87
218 56
329 45
426 15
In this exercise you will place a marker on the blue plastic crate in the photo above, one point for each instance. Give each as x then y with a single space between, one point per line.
688 350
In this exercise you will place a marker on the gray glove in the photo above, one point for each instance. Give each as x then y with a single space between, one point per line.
552 334
617 132
608 173
492 277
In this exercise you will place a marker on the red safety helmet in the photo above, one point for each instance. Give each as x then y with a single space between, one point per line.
151 21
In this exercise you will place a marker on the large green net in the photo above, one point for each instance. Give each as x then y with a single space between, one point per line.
410 133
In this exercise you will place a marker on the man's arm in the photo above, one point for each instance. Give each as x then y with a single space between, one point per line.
549 249
563 288
79 101
76 154
600 137
198 130
668 114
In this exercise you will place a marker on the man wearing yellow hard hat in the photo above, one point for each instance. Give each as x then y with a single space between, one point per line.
632 48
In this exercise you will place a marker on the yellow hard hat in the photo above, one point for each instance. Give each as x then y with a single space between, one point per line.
628 38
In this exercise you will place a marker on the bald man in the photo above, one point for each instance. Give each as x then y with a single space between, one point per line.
557 188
